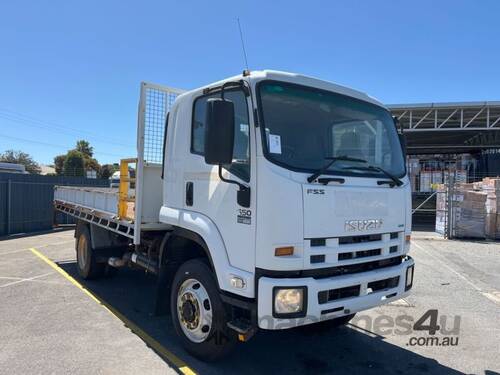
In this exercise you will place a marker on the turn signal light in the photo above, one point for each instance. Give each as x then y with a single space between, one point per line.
408 237
283 251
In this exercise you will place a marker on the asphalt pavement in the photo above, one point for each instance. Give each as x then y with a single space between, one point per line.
53 322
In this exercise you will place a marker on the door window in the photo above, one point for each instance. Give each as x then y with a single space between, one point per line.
240 165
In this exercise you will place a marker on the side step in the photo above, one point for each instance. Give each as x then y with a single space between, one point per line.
243 328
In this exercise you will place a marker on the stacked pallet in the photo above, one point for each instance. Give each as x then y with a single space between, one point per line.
476 209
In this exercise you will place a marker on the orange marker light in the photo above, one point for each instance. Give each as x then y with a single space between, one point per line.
283 251
408 238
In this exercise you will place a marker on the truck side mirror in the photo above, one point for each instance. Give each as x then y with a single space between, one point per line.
219 131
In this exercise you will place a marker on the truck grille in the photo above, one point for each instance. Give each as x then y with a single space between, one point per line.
351 268
330 295
359 239
375 286
359 254
347 250
340 293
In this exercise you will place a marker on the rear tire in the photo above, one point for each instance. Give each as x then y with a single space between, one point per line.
86 260
198 314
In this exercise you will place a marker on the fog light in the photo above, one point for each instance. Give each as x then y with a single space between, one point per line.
409 278
289 301
237 282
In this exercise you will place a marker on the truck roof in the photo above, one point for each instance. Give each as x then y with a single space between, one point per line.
293 78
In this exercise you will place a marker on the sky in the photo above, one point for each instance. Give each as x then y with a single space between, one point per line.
71 69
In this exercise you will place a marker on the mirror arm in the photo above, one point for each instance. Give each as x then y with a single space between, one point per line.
243 194
241 186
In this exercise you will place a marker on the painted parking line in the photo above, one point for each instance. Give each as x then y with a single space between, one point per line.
20 280
151 342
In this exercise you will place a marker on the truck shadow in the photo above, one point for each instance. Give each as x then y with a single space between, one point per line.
345 350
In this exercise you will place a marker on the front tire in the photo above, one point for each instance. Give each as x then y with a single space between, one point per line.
198 314
86 260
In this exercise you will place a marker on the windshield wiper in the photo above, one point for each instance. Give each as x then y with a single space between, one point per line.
396 180
332 161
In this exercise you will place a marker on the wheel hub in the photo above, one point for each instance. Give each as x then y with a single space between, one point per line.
188 311
194 310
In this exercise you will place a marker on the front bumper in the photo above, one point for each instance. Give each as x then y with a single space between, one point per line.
316 311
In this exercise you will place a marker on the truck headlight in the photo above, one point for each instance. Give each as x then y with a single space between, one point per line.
289 302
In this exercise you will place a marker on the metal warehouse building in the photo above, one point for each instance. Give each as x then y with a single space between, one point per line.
448 140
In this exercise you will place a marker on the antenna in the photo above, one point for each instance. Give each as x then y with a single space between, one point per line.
243 45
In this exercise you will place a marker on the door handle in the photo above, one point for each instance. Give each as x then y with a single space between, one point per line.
189 193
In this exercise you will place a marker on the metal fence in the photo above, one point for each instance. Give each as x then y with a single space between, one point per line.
26 201
461 207
156 102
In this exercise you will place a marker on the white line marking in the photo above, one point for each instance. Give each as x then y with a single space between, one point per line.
400 303
494 296
28 279
10 278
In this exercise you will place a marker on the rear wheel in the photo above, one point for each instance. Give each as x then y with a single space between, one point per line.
198 313
86 260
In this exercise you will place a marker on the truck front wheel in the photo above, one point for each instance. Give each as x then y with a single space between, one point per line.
86 261
198 313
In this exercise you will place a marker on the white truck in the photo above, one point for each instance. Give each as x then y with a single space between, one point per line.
267 200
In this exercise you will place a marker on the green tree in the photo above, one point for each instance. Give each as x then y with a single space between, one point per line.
59 164
74 164
19 157
107 171
85 148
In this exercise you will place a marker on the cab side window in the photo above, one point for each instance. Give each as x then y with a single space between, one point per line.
241 155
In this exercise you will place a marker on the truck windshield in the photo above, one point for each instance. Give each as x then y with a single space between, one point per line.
304 126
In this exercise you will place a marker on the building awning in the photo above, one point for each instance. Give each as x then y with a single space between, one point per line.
442 128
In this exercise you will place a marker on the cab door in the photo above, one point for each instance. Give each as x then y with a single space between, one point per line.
207 194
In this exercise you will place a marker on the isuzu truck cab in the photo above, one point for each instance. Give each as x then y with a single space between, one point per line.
268 200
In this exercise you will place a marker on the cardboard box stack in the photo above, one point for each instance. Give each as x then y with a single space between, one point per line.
491 186
476 209
470 217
